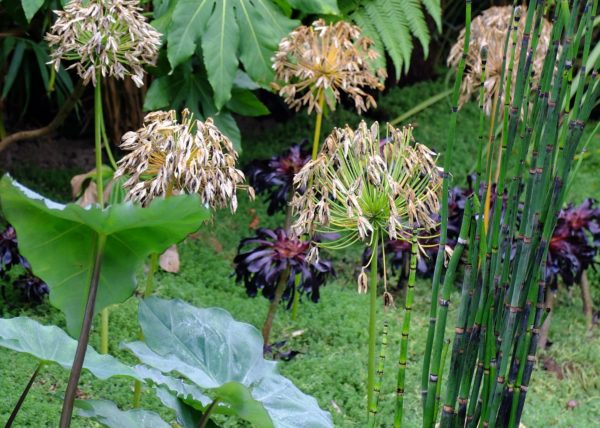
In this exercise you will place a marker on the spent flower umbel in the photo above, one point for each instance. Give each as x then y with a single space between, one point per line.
360 186
171 157
326 60
488 34
111 36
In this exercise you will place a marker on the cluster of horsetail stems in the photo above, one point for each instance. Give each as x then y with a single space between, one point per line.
501 304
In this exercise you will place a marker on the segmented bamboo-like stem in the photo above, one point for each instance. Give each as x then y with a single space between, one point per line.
502 298
444 211
403 359
380 372
444 302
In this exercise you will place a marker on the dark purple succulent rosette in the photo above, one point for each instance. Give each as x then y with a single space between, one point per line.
574 244
275 177
32 288
9 251
262 259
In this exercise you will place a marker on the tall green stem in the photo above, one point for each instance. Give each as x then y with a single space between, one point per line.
317 136
98 123
371 405
84 336
437 275
402 362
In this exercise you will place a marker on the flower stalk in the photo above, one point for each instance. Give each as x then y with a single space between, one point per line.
84 336
372 405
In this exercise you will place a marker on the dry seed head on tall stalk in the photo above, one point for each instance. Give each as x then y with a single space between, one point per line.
107 35
334 58
488 32
170 157
361 185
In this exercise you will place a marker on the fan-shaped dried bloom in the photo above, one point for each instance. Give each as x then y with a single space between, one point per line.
107 35
326 59
490 30
169 157
359 186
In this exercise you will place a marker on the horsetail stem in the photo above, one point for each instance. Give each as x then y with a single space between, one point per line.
380 372
503 293
444 207
403 359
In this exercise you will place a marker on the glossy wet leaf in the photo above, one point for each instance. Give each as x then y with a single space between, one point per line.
224 358
50 344
109 415
59 242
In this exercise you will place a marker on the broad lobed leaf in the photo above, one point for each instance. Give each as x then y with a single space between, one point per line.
224 358
50 344
59 242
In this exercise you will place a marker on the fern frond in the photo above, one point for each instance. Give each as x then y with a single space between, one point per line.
369 30
394 32
415 18
435 10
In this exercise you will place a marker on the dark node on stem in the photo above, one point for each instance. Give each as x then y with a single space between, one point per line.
433 378
444 302
448 409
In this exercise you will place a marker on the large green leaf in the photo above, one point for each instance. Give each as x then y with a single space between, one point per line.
50 344
30 7
188 23
109 415
59 242
244 102
222 357
184 88
229 31
219 44
326 7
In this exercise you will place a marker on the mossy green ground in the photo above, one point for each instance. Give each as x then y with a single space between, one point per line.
330 335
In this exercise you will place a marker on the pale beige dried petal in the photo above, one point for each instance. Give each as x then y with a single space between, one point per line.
168 157
109 36
488 34
319 58
361 185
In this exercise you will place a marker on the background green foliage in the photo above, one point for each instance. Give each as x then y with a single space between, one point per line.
332 365
392 24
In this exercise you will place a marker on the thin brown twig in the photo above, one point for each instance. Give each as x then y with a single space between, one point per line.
45 130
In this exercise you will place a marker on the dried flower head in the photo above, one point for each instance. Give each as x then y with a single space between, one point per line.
488 33
169 157
111 36
325 60
360 186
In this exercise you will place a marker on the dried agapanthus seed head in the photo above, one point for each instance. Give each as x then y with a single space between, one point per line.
360 186
111 36
326 60
488 33
188 156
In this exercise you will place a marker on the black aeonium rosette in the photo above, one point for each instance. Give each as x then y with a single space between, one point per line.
262 259
275 176
32 288
574 244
